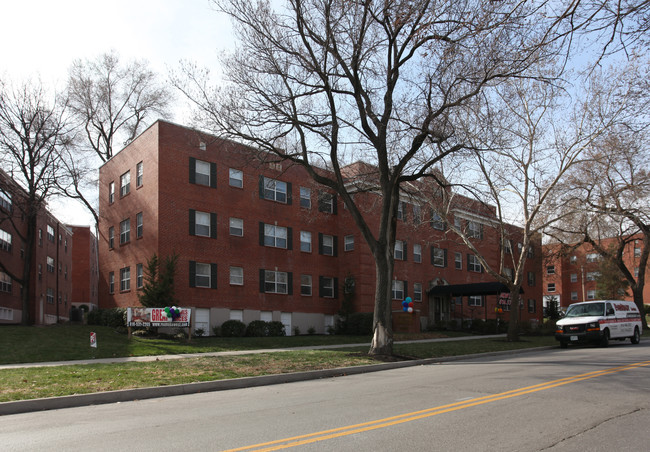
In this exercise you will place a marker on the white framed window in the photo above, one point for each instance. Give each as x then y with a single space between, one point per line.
530 253
111 192
507 272
305 285
550 287
400 253
202 173
203 275
417 214
50 264
397 289
437 222
417 291
507 246
637 251
237 227
50 233
574 277
5 240
111 282
125 183
305 241
49 295
236 276
111 237
139 276
573 259
531 278
475 300
474 229
592 276
327 287
636 272
417 253
274 190
401 210
276 282
458 261
139 173
574 296
125 279
550 269
532 306
439 257
305 197
125 231
326 202
474 264
275 236
202 224
235 178
5 200
5 282
326 245
593 257
138 225
348 243
591 295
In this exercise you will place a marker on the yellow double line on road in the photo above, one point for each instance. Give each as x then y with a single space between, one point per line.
415 415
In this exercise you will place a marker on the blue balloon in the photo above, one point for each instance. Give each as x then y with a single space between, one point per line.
408 300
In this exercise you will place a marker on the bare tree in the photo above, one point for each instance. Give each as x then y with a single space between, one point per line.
322 82
33 133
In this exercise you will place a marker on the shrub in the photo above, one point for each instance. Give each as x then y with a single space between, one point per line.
257 328
311 330
233 328
296 331
276 329
198 332
216 330
114 317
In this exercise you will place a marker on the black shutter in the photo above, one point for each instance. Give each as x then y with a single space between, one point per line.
289 238
335 244
192 170
213 276
336 287
406 289
261 186
213 225
192 273
432 254
320 286
261 234
192 222
289 194
444 251
290 283
334 204
213 175
320 243
468 255
262 276
405 251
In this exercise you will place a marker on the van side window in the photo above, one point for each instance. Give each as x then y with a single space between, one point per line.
610 309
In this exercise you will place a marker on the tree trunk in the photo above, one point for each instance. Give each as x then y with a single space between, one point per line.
382 340
637 293
28 317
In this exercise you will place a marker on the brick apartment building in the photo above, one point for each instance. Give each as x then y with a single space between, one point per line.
85 274
51 291
572 276
262 241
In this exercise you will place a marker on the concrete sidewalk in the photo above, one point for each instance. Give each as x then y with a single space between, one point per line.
128 395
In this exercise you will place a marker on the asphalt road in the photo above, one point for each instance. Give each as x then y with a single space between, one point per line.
554 400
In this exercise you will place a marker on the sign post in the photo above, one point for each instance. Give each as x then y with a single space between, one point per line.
93 340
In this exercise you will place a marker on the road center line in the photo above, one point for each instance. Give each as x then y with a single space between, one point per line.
416 415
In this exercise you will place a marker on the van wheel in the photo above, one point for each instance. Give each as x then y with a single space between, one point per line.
637 336
604 341
563 344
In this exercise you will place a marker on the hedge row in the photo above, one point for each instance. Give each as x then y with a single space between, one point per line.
257 328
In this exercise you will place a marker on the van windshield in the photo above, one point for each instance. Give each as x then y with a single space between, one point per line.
587 309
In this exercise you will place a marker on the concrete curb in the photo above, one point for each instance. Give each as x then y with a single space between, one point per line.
129 395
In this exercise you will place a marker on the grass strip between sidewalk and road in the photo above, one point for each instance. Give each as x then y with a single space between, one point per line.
72 342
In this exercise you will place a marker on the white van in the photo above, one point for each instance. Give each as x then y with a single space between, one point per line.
599 321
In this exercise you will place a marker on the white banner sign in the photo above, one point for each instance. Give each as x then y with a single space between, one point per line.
152 317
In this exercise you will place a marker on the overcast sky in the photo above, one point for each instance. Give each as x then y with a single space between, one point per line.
41 38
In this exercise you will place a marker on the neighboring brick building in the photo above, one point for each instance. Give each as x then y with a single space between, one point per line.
51 261
262 241
571 276
85 275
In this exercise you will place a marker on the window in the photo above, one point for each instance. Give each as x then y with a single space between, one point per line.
305 241
437 222
111 193
203 173
5 200
5 240
40 237
636 272
550 287
400 250
237 227
637 251
401 210
327 287
203 275
203 224
550 270
305 197
50 264
417 214
111 237
531 278
111 282
507 246
458 261
473 264
417 292
125 231
507 272
125 279
49 295
417 253
531 255
236 276
438 257
202 145
326 202
574 277
125 183
274 236
574 296
475 300
50 233
5 282
474 230
274 190
592 276
591 295
138 225
397 288
139 172
573 259
532 306
235 178
139 276
305 285
592 257
348 243
276 282
327 244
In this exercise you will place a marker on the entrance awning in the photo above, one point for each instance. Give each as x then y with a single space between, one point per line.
462 290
